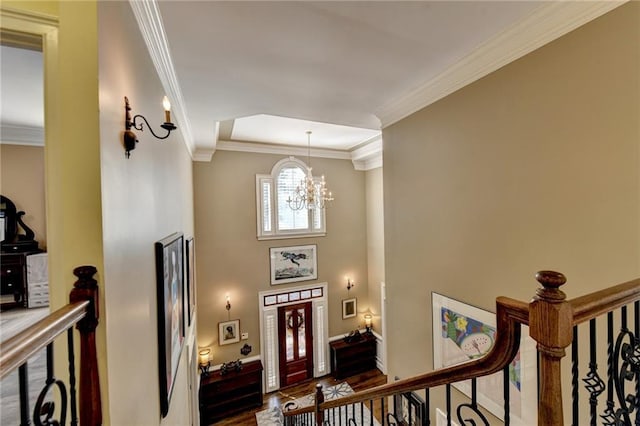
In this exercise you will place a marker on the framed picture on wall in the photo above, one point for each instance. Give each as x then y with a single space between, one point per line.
228 332
349 308
461 333
190 278
410 409
170 300
292 264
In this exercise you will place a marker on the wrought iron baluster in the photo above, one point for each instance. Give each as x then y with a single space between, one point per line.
427 404
371 411
574 377
24 394
622 373
43 411
608 416
506 393
72 378
593 383
448 403
637 345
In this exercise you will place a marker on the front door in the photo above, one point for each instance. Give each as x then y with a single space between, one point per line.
295 343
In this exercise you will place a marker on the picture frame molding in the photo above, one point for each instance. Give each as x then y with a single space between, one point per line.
278 262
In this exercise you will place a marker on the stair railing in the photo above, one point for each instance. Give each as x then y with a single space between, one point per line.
552 322
81 312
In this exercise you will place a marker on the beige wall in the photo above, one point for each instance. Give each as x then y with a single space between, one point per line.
535 166
145 198
375 241
22 181
232 260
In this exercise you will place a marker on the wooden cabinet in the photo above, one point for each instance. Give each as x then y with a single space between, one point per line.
224 395
23 280
349 358
13 274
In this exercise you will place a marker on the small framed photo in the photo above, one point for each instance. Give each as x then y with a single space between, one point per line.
228 332
292 264
349 308
410 409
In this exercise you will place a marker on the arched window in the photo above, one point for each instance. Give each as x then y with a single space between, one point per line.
276 219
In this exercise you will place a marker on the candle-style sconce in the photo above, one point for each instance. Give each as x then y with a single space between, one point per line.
130 139
350 284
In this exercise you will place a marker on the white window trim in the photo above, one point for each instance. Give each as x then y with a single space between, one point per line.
275 233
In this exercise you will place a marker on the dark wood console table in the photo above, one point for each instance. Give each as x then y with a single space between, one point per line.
349 358
224 395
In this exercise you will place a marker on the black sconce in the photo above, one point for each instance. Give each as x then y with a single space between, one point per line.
130 138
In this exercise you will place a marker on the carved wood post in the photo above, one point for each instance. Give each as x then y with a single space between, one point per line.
319 400
551 325
86 288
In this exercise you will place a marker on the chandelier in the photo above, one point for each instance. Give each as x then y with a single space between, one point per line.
311 193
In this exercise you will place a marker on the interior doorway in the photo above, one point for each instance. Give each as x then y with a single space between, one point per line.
316 323
295 343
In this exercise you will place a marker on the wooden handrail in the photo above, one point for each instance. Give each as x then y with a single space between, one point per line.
595 304
509 314
551 319
16 350
81 312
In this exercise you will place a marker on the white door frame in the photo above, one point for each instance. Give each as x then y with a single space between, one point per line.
269 302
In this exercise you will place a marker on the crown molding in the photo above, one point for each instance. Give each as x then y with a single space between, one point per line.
149 19
262 148
21 135
545 24
368 156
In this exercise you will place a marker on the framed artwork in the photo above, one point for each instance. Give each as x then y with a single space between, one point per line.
292 264
349 308
228 332
409 409
190 277
170 299
462 333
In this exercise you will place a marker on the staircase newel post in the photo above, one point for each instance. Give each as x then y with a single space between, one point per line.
551 325
86 288
319 400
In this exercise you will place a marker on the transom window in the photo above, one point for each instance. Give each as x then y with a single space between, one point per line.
276 219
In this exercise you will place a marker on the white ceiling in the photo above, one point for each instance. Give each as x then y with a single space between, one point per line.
243 75
21 95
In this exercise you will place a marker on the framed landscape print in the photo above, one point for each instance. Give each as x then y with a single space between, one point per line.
292 264
462 333
170 300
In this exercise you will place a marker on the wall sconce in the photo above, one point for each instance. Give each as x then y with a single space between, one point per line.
350 284
130 138
204 362
228 305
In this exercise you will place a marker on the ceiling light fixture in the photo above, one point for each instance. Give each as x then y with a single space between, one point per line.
130 138
311 193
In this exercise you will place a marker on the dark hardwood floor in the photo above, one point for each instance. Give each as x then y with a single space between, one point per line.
358 382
